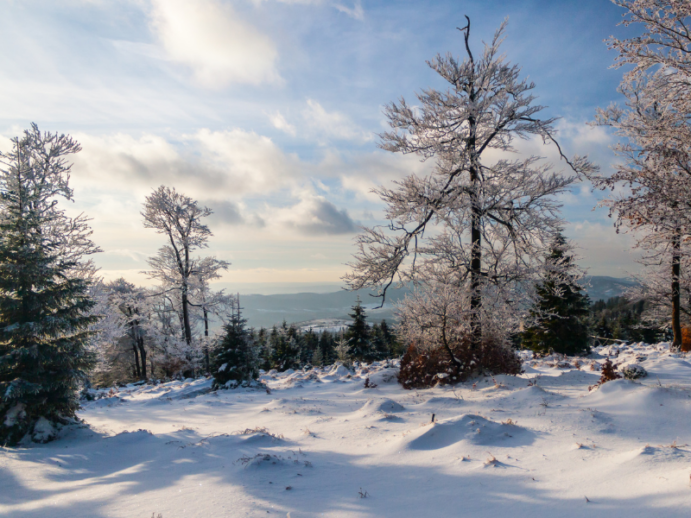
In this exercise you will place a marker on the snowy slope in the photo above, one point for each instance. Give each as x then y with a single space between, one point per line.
536 445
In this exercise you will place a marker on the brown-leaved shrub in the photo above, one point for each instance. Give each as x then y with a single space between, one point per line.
427 366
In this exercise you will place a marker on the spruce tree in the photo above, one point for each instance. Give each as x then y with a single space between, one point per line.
327 346
236 356
561 311
44 302
285 349
317 357
358 335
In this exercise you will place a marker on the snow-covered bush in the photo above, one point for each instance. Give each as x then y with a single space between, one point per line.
634 372
436 323
428 366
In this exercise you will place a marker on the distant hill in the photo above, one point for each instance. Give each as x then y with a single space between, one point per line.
267 310
600 287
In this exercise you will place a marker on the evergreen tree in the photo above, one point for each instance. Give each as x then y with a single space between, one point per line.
358 335
310 344
236 356
327 346
264 345
562 307
285 350
342 351
44 303
392 345
317 358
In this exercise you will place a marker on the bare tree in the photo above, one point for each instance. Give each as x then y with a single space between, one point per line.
211 303
179 218
651 189
472 223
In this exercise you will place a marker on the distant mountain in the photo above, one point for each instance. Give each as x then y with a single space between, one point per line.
267 310
600 287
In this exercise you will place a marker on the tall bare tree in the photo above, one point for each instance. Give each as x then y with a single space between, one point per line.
475 223
179 218
651 189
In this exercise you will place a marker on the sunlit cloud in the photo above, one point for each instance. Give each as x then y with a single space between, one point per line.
210 38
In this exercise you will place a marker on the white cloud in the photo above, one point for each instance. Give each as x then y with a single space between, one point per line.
334 125
603 251
313 216
208 165
208 36
369 171
356 11
251 163
280 123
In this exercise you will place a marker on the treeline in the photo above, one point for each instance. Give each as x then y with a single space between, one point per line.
620 319
239 352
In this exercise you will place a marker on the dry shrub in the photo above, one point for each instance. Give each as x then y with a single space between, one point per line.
609 373
686 339
429 366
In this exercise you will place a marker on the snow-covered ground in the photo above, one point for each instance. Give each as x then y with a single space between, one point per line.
536 445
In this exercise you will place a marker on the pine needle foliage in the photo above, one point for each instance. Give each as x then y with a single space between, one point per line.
562 307
236 358
358 335
44 304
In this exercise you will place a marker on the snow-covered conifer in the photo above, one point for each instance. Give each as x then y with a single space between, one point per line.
559 315
358 335
44 302
236 355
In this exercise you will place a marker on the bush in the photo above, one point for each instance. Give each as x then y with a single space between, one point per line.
423 367
634 372
609 373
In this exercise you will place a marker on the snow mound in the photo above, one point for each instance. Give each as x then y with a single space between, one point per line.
337 372
439 401
44 431
384 406
386 376
275 403
473 429
618 388
657 454
129 438
192 390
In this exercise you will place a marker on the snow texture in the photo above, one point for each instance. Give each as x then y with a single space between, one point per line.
530 446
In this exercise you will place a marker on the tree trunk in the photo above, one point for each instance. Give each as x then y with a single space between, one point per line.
137 371
676 302
476 244
142 353
206 340
186 315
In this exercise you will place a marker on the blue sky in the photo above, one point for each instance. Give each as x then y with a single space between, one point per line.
267 111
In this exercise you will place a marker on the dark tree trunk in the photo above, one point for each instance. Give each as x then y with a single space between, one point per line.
142 353
476 244
137 371
676 295
187 329
207 360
